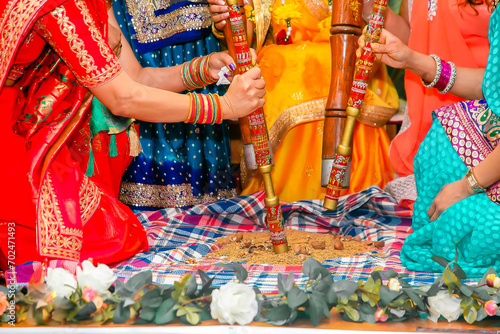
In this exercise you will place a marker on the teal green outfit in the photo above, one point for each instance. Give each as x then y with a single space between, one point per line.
181 164
460 137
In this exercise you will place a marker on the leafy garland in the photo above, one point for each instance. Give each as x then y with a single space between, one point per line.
384 296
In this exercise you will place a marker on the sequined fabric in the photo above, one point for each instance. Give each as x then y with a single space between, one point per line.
181 164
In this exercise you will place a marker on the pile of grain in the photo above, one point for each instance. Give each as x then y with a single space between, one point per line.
256 247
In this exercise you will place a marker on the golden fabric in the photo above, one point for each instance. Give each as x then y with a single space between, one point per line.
297 82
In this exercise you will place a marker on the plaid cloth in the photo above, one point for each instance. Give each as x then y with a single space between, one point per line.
175 236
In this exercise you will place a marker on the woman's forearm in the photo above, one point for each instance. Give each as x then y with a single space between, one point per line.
127 98
397 25
468 82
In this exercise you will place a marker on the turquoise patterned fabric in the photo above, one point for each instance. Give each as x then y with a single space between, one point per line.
181 164
470 227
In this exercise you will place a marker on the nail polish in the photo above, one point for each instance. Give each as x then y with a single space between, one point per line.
232 67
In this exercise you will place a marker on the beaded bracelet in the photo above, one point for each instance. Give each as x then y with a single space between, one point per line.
204 109
194 73
451 79
438 72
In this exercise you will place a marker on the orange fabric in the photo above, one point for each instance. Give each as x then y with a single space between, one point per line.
455 34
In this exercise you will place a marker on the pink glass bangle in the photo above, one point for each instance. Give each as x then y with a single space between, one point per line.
444 78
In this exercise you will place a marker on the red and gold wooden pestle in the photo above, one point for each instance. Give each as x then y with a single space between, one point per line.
345 29
362 73
236 38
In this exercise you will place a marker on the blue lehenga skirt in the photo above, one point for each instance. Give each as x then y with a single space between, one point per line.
181 164
460 137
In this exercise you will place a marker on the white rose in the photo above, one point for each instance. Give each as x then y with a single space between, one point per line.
234 303
446 305
61 280
394 284
98 278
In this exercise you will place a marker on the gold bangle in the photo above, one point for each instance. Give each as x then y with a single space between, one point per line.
472 182
216 32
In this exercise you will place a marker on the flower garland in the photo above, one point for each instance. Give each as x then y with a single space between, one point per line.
61 298
284 15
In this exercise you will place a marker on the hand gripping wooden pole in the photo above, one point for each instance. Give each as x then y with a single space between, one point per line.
234 32
362 73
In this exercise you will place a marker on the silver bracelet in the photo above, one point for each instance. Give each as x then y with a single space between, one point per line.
438 72
452 79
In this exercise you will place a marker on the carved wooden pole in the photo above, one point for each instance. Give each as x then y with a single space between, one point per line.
362 73
235 34
345 30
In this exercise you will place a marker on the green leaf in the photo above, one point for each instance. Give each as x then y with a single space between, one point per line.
435 287
416 299
312 269
440 260
466 290
239 271
206 283
344 289
482 292
191 286
165 312
281 312
85 312
139 280
60 315
450 279
387 295
352 313
152 298
181 311
296 297
193 318
285 283
331 295
148 313
179 293
470 314
121 314
387 274
457 270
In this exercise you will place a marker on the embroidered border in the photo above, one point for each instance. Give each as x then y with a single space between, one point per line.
54 239
474 131
151 28
14 23
95 76
90 198
95 33
167 196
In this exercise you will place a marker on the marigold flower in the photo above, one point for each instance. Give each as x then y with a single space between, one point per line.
490 307
286 12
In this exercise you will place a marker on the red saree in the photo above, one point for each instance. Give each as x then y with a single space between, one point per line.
58 212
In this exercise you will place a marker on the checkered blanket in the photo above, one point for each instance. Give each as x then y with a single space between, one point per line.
175 236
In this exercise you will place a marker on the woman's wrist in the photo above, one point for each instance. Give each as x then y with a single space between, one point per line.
422 65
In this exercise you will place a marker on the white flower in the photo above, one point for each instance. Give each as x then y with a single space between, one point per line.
99 278
394 284
234 303
61 280
446 305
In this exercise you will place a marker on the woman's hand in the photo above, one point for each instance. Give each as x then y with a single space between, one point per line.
217 61
220 59
390 50
219 13
245 95
450 194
